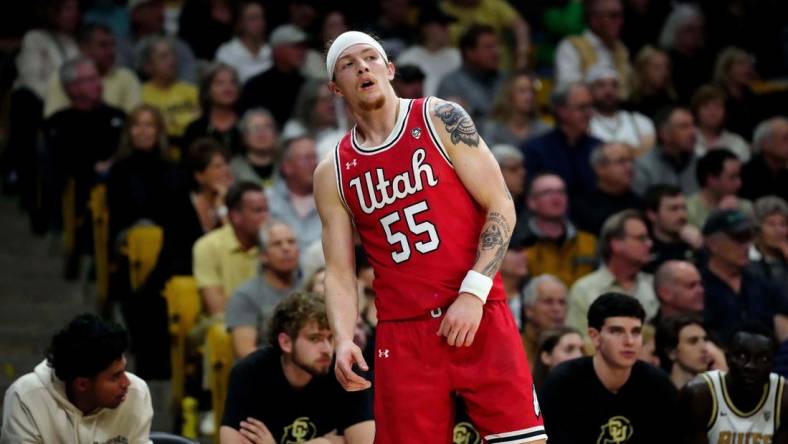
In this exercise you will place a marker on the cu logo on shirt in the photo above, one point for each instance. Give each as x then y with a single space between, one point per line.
465 433
617 430
302 429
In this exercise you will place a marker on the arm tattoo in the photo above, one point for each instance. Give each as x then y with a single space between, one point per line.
458 124
495 236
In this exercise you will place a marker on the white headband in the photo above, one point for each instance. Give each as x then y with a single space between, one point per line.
345 41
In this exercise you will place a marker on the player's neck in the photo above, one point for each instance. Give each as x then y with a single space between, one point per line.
743 397
611 378
680 375
373 127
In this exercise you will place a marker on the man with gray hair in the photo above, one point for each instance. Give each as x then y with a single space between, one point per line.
120 86
81 140
624 245
260 140
251 305
767 171
614 167
544 299
291 195
566 150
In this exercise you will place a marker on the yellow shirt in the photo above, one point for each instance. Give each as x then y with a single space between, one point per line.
179 104
121 89
220 262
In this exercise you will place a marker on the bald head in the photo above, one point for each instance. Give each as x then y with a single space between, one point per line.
679 288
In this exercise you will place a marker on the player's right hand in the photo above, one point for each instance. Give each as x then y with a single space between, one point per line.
348 353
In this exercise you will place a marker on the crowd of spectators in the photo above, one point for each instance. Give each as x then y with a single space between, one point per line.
645 144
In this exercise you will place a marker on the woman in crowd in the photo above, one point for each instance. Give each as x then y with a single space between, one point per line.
175 99
708 107
733 72
247 52
514 116
556 346
683 37
769 252
260 139
652 88
43 51
139 191
140 182
219 93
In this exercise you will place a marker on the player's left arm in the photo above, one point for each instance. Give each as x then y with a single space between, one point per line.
479 172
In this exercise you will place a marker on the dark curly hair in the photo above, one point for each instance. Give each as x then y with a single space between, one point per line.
611 305
86 347
294 312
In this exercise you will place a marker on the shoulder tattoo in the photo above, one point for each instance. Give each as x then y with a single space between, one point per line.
458 124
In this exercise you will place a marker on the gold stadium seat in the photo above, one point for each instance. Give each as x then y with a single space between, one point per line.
183 309
99 213
219 350
143 245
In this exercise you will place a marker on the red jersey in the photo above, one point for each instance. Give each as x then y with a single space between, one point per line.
418 223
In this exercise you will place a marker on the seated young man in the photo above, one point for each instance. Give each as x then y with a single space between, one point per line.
611 396
287 392
81 393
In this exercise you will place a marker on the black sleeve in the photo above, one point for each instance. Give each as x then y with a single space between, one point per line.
552 400
354 407
240 395
668 405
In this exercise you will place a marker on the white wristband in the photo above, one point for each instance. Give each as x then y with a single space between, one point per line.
476 284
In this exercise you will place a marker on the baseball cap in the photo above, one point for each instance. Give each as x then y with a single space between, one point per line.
734 223
287 35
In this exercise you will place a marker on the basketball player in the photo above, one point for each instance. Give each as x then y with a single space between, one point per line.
427 198
745 405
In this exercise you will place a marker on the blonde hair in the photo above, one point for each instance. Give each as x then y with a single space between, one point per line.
641 67
126 144
725 61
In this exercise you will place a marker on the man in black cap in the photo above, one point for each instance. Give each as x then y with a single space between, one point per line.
733 293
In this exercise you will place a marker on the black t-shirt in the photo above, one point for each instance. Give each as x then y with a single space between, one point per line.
258 389
577 408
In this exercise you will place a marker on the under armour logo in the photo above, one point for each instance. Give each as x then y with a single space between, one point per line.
415 132
383 353
350 164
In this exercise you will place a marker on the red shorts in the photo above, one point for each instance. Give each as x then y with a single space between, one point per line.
417 373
